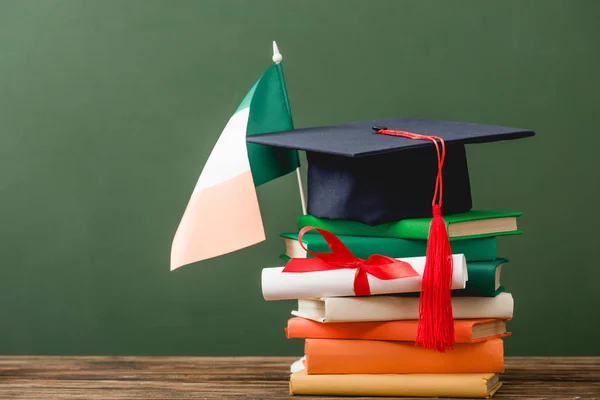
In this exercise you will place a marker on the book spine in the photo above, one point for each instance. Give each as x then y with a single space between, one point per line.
301 328
474 250
390 308
335 356
422 385
483 249
362 247
406 229
482 279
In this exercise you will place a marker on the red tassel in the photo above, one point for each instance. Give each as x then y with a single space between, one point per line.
436 325
435 329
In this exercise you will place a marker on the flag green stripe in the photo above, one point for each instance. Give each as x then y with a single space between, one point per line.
284 89
270 112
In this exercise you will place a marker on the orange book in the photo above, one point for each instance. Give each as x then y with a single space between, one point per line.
341 356
465 330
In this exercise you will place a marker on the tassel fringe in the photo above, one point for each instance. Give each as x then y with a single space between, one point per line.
436 325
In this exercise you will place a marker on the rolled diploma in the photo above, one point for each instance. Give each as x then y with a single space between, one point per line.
278 285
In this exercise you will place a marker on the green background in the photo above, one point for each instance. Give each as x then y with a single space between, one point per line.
109 109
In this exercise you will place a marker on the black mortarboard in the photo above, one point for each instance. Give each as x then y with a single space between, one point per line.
358 174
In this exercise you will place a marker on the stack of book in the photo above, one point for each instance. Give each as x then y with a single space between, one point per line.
365 346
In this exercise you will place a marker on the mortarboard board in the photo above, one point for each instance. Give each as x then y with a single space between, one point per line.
386 170
356 174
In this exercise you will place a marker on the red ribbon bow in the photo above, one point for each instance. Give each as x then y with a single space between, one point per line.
381 267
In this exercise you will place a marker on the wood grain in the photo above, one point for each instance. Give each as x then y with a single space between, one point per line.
266 378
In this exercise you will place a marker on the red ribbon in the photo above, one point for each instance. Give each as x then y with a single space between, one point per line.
381 267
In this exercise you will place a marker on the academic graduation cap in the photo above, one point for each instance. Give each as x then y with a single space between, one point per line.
387 170
373 172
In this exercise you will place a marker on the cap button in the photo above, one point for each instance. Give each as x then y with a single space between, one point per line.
378 128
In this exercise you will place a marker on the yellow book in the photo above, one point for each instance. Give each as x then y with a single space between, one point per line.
414 385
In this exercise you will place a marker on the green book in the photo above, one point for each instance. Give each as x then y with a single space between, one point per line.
484 279
470 225
363 247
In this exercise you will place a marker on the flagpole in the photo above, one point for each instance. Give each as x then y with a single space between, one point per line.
277 58
301 189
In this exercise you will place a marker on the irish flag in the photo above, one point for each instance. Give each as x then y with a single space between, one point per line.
223 213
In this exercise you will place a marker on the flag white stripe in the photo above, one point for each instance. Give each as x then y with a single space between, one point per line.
229 157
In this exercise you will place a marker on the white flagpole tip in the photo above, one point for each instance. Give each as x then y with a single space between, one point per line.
277 57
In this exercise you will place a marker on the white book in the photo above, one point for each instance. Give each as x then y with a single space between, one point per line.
279 285
391 308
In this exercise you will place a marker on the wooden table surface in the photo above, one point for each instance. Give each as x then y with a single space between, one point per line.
246 378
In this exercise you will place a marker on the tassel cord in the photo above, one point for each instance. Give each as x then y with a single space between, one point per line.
436 325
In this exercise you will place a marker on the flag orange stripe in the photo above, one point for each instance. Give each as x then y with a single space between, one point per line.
218 220
388 330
